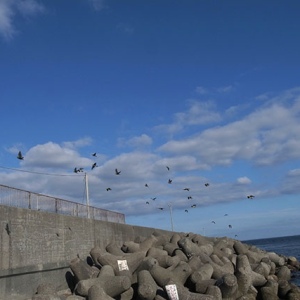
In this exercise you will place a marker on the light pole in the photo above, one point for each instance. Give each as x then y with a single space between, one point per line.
87 195
171 215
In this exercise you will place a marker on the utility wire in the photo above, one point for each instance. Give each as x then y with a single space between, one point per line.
41 173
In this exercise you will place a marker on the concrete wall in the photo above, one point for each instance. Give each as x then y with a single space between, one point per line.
37 246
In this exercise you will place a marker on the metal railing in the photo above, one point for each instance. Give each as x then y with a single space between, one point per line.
24 199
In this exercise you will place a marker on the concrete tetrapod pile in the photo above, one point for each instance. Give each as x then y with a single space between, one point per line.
180 266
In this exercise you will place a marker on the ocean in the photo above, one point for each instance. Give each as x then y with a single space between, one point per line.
287 246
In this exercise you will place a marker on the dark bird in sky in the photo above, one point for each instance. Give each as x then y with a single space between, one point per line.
77 170
161 208
193 206
146 185
206 184
229 226
186 189
190 197
94 166
168 168
117 172
154 198
236 235
213 222
186 210
94 154
147 202
250 196
20 156
108 189
225 215
170 181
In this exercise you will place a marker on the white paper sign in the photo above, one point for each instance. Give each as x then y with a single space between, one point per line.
122 264
172 291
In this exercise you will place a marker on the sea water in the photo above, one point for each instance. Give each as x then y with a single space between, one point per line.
287 246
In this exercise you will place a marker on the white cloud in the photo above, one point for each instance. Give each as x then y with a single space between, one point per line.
198 113
243 180
201 90
266 136
11 8
137 141
98 4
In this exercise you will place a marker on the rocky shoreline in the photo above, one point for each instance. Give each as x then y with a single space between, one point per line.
178 266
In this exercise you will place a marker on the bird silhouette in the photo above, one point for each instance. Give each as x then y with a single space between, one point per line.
186 189
146 185
193 206
108 189
20 156
94 166
213 222
117 172
186 210
250 196
225 215
161 208
170 181
76 170
147 202
168 168
229 226
94 154
190 197
206 184
154 198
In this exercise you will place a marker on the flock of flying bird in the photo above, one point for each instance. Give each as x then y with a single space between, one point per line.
118 172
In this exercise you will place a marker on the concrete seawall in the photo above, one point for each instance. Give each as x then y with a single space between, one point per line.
37 246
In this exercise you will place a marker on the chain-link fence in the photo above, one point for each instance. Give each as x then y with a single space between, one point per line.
24 199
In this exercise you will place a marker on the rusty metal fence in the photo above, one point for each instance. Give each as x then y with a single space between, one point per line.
24 199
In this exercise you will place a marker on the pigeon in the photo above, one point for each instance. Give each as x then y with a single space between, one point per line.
117 172
154 198
193 206
146 185
108 189
94 154
94 165
168 168
186 210
169 181
161 208
250 197
229 226
213 222
20 156
147 202
206 184
76 170
186 189
190 197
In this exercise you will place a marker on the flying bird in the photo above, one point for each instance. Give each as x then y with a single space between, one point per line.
190 197
147 202
193 206
117 172
169 181
146 185
154 198
108 189
250 196
186 210
161 208
229 226
77 170
206 184
225 215
20 156
213 222
168 168
94 165
94 154
186 189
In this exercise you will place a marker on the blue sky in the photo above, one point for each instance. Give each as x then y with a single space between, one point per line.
208 88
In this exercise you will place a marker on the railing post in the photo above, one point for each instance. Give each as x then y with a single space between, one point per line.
29 200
